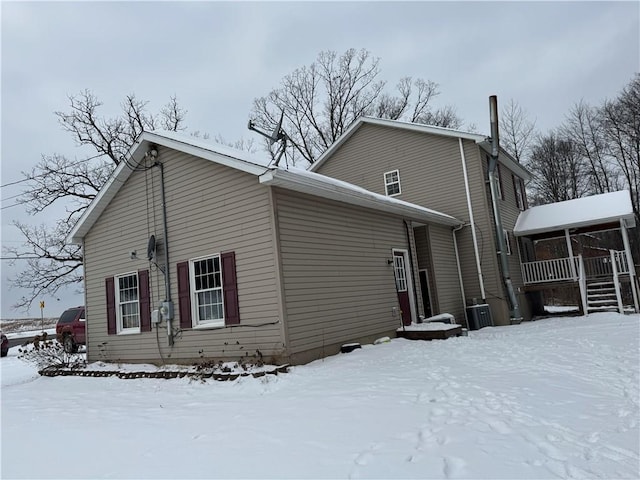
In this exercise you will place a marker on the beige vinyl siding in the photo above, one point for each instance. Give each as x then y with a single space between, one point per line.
445 272
413 265
338 286
431 175
210 209
425 262
509 211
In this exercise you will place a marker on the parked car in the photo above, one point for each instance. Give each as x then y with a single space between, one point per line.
70 329
5 345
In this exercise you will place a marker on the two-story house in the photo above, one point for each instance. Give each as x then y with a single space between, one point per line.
446 170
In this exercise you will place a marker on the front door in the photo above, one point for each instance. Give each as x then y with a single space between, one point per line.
400 270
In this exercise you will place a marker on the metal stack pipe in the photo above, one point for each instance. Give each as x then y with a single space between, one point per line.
516 316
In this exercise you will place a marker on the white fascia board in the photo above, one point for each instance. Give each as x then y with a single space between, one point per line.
577 213
628 219
421 128
314 184
134 156
335 145
414 127
507 160
222 158
102 198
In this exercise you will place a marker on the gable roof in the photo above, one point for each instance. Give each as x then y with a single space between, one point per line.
577 213
293 179
481 140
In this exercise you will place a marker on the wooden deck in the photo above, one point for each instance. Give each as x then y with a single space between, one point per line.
430 334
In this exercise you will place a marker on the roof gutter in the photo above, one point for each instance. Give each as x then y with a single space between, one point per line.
516 316
312 183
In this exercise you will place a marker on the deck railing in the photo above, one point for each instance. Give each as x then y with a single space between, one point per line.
568 268
553 270
620 259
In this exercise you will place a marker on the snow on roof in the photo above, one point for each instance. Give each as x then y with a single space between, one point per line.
577 213
304 181
212 146
314 183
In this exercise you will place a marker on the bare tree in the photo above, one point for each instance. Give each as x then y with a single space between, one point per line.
50 263
621 121
320 101
516 130
558 170
585 128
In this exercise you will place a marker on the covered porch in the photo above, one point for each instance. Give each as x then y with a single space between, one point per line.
584 243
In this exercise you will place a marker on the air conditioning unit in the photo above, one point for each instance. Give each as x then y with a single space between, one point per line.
479 316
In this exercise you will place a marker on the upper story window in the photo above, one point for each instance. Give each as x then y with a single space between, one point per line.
392 183
520 193
127 303
206 291
507 241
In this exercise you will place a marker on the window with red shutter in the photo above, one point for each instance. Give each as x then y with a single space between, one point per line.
145 301
230 289
184 295
208 291
111 305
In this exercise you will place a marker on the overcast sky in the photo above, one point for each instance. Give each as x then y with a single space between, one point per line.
217 57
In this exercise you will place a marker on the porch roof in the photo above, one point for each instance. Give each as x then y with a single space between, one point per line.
577 213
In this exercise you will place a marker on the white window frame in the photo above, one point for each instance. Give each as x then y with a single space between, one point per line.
409 279
507 242
518 186
121 329
195 305
400 272
392 183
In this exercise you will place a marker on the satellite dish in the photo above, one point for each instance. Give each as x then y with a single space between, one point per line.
151 248
275 136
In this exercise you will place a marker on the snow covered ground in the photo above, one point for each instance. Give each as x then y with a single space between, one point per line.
555 398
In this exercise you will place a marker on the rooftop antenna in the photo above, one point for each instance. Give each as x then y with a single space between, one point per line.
277 135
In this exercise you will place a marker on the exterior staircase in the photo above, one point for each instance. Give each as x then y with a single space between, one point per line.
601 296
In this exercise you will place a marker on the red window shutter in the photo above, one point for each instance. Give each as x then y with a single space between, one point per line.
145 301
184 295
230 289
111 305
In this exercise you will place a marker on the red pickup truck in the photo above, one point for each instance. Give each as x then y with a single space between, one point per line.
70 329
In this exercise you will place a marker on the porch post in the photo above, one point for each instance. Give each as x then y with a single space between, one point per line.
632 268
582 282
570 250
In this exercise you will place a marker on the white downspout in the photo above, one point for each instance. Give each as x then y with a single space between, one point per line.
473 225
455 248
632 268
